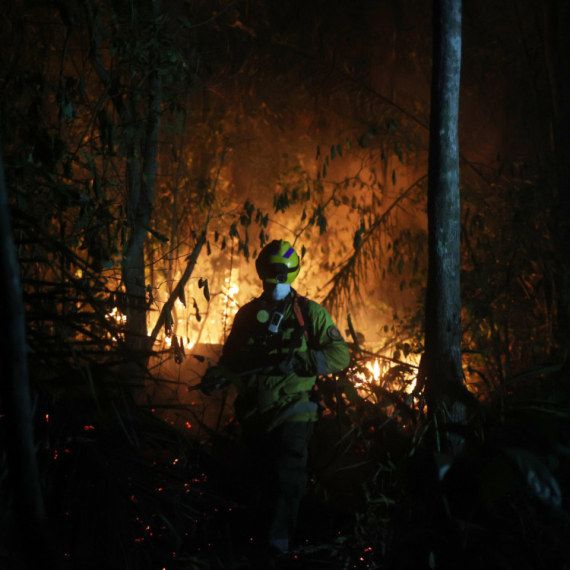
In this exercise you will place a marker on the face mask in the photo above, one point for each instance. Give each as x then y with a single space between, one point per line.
277 291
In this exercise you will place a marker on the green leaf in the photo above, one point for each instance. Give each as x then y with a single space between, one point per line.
322 223
333 152
168 323
177 349
67 111
357 242
398 153
391 125
198 316
339 149
303 252
348 145
318 152
281 201
324 170
394 177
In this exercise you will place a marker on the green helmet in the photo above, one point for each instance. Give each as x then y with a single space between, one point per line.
278 262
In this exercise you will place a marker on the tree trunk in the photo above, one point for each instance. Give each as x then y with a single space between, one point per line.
16 404
141 172
443 302
141 180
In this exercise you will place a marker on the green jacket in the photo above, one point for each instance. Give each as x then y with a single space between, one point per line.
266 395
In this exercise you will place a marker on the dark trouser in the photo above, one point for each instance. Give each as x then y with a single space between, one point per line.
279 459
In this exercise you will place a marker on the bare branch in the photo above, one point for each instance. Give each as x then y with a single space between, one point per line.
176 294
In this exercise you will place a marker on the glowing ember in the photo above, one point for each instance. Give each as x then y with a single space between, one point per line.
117 316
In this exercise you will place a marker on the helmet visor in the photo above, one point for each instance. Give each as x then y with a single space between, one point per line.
279 272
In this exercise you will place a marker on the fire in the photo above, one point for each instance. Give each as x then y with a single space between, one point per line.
119 319
375 369
388 373
186 342
117 316
200 320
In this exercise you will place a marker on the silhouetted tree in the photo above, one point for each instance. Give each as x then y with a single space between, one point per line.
443 303
15 400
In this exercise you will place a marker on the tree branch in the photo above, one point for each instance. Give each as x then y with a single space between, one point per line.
176 294
342 276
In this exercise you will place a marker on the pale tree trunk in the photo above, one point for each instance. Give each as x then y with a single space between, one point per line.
141 180
141 172
23 473
443 303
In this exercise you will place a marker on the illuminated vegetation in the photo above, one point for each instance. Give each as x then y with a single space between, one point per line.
151 152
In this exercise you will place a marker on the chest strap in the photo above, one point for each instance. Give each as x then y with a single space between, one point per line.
299 316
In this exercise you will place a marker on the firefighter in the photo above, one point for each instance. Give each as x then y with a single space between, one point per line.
278 345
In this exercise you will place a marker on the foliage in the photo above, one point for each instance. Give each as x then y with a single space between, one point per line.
500 503
337 165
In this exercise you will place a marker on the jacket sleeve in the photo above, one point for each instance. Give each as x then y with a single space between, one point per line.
328 352
235 354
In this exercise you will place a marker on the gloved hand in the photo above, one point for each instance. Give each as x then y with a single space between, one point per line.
284 367
213 380
310 363
305 363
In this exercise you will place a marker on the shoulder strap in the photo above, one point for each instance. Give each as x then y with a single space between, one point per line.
301 313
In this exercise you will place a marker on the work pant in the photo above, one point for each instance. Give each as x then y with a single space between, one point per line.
279 459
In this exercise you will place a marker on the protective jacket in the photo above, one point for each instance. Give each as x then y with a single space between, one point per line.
278 358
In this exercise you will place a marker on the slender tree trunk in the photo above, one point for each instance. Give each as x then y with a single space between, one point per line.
141 176
16 404
443 302
141 187
141 172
